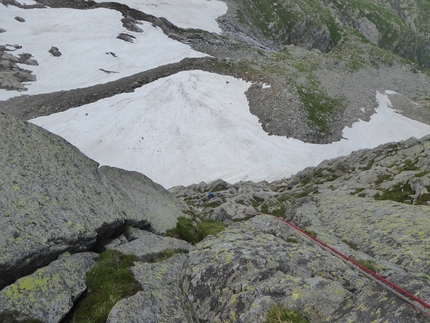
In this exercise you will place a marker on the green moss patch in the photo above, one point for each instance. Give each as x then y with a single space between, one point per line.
350 244
369 264
281 314
195 231
397 193
10 318
166 254
108 281
320 108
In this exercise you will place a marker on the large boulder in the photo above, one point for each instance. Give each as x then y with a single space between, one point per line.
161 298
55 199
49 293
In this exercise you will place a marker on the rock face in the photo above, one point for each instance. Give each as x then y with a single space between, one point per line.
54 199
161 300
239 274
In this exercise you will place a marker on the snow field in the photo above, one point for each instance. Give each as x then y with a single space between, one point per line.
196 14
196 126
88 43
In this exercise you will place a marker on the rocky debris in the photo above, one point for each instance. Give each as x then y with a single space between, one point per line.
20 19
2 30
49 293
371 205
54 51
54 199
126 37
161 298
11 75
131 24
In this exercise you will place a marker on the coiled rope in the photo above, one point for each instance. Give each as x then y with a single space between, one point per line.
397 290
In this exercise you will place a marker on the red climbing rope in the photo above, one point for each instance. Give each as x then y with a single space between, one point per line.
402 293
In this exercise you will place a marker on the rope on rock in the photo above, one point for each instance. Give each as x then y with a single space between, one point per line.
397 290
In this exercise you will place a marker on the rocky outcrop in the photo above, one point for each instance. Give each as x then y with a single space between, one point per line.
361 205
11 74
49 293
54 199
161 298
239 274
146 246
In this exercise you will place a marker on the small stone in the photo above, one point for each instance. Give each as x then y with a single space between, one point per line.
20 19
55 51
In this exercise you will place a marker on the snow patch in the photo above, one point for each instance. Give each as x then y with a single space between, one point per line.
86 39
196 126
196 14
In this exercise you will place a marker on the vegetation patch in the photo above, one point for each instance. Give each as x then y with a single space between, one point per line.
10 318
409 165
311 233
292 240
246 218
357 190
369 264
320 108
195 231
108 281
423 199
281 314
382 178
279 212
398 193
352 245
421 174
256 201
241 201
264 208
166 254
213 203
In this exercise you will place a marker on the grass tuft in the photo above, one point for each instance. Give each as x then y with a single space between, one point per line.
9 317
108 281
352 245
369 264
193 232
281 314
166 254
